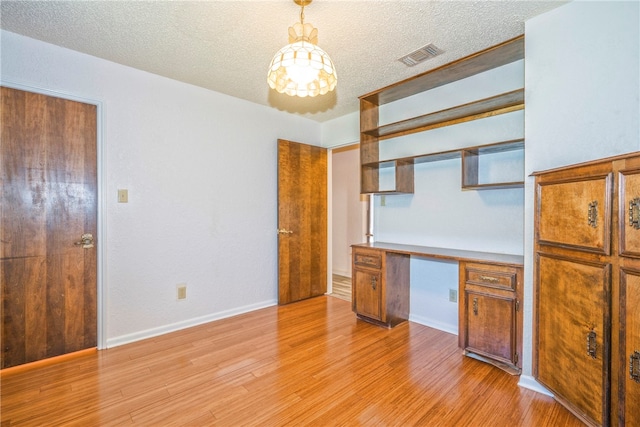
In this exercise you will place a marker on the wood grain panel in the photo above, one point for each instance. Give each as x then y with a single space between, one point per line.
367 298
629 205
490 320
565 315
302 209
563 211
49 200
629 393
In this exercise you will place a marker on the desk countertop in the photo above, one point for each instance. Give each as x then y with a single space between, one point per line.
445 253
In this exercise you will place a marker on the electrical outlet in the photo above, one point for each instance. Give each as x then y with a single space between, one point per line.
453 295
123 196
182 290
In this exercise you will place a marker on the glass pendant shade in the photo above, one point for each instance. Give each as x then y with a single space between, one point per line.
301 68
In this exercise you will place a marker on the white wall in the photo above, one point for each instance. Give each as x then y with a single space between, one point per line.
341 131
582 100
200 168
348 208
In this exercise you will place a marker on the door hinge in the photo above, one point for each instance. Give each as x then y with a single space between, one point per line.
517 305
515 358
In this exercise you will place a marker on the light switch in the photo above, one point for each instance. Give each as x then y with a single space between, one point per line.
123 196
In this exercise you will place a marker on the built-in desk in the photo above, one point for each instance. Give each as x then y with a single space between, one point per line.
489 289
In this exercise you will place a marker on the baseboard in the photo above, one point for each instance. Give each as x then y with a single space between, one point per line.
342 273
46 362
445 327
528 382
154 332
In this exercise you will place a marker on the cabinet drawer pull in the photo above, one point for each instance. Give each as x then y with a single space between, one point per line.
634 213
591 344
489 279
475 306
634 366
592 214
374 282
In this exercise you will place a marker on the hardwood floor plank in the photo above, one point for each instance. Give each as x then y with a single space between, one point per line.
307 363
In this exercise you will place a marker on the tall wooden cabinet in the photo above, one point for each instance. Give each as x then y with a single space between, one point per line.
587 288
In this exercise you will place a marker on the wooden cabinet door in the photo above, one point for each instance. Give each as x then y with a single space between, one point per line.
367 293
490 321
573 333
629 213
575 213
630 348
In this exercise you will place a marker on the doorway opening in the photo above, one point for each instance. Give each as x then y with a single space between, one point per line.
348 216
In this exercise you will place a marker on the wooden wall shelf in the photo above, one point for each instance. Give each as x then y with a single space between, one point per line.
493 106
371 132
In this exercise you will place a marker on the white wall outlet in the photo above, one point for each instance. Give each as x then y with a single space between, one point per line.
453 295
181 289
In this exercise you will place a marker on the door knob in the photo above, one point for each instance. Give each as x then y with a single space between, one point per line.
86 241
284 231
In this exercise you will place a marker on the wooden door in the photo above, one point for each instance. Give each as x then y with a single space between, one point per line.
367 293
302 221
490 321
576 213
629 393
629 213
573 339
48 282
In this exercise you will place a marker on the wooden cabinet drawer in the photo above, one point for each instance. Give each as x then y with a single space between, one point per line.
370 259
629 213
491 275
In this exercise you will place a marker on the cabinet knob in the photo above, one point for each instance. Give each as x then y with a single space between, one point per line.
374 282
475 306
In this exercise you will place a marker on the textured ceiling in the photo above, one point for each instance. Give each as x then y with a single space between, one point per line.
226 46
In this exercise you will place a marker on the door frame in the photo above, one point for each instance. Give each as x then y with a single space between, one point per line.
101 191
367 213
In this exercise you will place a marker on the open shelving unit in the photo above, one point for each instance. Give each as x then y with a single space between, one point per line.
371 132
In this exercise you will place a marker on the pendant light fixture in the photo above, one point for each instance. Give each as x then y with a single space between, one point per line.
301 68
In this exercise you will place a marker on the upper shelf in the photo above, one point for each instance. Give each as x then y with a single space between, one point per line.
496 56
495 105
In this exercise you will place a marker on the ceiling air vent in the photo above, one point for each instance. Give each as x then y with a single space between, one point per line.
425 52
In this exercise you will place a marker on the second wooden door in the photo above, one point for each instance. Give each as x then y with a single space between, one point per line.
302 221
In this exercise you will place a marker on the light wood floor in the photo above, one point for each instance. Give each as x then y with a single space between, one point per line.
307 363
341 287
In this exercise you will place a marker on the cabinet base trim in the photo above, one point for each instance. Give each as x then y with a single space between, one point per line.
507 368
